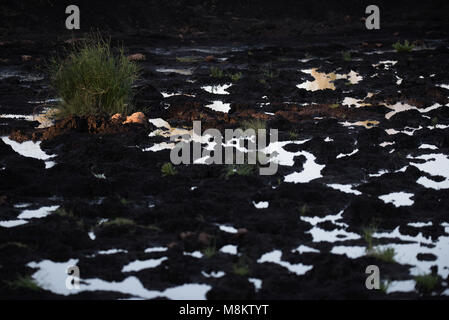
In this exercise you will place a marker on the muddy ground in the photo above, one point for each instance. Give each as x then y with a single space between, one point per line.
365 147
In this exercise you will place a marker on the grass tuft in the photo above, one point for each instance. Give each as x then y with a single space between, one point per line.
216 73
93 80
293 134
24 282
235 76
386 254
241 268
426 283
346 56
211 250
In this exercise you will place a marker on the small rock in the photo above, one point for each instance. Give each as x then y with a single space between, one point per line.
242 231
186 234
137 57
209 59
172 244
26 58
117 117
204 238
137 117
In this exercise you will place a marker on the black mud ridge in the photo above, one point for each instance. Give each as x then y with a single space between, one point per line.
106 189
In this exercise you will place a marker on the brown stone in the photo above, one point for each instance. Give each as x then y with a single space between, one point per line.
137 57
186 234
242 231
204 238
137 117
117 117
26 58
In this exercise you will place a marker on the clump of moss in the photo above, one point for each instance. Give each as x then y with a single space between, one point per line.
92 80
235 76
24 282
346 56
241 268
216 73
168 169
304 209
210 250
293 134
238 169
187 59
119 222
403 47
255 124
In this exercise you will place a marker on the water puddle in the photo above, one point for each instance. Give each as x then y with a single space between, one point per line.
111 251
228 229
352 252
357 103
219 106
407 253
213 274
52 276
428 146
387 64
184 72
344 155
256 282
26 215
195 254
261 204
304 249
311 170
437 164
368 124
401 107
229 249
323 81
138 265
275 257
156 249
27 77
30 149
217 89
398 199
407 130
401 286
12 223
338 234
346 188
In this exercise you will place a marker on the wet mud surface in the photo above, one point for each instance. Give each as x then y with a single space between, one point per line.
364 144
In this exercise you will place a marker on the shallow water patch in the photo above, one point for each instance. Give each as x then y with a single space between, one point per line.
30 149
275 257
